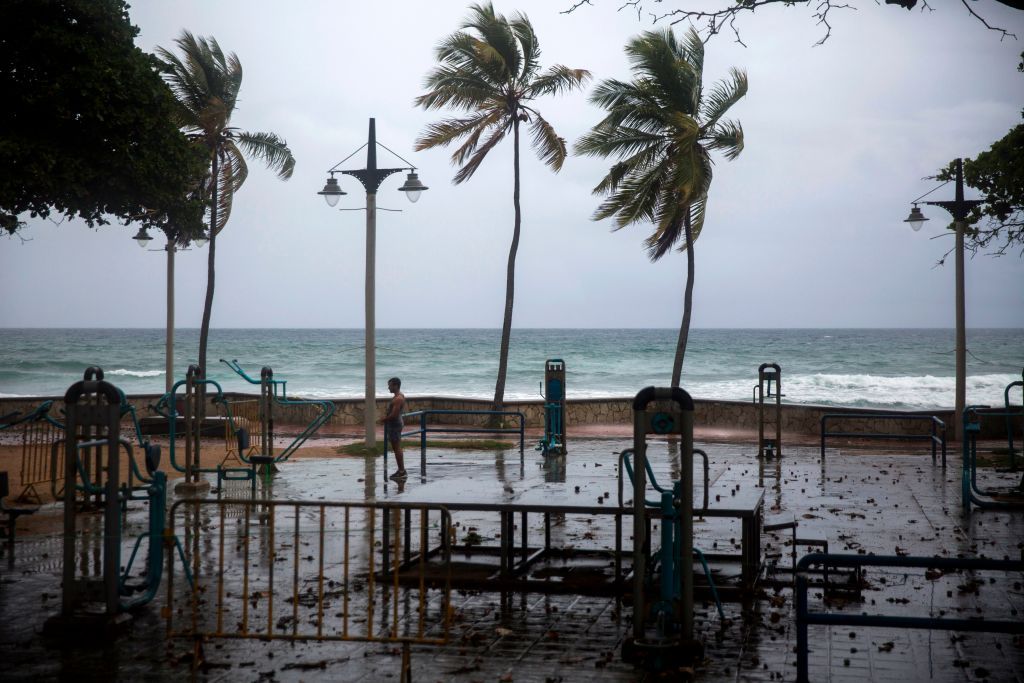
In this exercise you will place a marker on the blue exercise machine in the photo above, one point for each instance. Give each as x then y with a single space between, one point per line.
92 465
663 633
553 393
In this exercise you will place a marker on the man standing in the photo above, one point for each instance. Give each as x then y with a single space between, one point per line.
393 425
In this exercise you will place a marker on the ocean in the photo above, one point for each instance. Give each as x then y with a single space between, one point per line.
877 368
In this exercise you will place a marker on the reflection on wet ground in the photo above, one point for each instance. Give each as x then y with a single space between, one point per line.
883 505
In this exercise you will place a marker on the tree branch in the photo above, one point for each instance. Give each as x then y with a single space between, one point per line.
711 22
1003 31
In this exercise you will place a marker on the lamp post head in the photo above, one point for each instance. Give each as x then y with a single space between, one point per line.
142 237
916 219
332 191
200 240
412 187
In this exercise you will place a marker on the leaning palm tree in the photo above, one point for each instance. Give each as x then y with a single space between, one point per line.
206 84
661 127
490 70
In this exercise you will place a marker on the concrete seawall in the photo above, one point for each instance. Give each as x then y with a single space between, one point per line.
804 420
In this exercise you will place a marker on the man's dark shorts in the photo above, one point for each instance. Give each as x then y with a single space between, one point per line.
393 431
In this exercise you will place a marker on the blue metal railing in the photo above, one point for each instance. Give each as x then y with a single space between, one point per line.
970 492
1010 415
425 428
804 616
937 436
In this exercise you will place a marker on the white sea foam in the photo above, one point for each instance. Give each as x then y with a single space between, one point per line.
135 373
926 392
922 393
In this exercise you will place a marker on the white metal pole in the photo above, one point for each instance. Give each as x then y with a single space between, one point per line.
370 409
169 350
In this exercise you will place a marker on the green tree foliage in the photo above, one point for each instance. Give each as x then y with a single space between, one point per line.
490 69
999 175
206 82
86 126
661 127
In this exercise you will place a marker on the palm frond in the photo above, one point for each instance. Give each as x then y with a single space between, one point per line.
726 137
498 46
233 169
549 146
495 118
723 95
272 150
448 131
470 167
529 48
605 140
655 56
456 87
556 80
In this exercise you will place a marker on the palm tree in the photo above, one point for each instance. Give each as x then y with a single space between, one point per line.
206 83
490 70
661 127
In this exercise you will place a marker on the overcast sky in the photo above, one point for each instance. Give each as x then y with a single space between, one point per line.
804 229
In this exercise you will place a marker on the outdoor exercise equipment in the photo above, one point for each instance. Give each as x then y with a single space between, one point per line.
971 492
92 464
194 409
671 643
771 419
553 393
669 536
274 399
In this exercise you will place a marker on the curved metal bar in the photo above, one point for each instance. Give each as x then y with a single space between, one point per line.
970 492
1009 418
172 416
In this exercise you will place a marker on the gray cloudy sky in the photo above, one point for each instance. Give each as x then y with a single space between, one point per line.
804 229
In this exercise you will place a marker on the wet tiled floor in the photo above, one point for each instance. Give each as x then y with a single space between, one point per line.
867 504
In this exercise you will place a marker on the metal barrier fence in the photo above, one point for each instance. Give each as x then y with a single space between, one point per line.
311 571
804 616
425 428
246 414
937 437
42 462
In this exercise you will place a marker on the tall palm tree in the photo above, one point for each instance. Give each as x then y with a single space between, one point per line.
489 69
661 127
206 84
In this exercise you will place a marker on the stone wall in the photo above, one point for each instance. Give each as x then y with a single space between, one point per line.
734 415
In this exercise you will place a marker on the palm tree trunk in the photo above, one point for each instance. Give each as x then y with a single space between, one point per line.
204 330
510 280
684 328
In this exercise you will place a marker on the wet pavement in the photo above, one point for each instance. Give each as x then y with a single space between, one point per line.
856 502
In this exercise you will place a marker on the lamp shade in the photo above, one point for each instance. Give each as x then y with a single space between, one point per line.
332 191
201 240
142 237
412 187
916 219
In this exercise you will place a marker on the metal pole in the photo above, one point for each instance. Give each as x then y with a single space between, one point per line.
169 350
370 409
961 329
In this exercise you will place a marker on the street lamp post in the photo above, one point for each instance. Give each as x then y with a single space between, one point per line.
958 208
371 177
143 238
